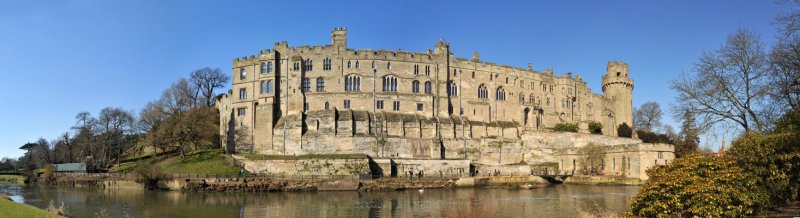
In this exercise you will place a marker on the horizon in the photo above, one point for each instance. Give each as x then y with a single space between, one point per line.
57 55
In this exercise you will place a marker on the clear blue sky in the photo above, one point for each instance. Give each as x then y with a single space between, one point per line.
61 57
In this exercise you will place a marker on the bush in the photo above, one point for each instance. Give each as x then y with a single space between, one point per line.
651 137
566 127
48 172
624 130
149 175
699 185
595 127
773 159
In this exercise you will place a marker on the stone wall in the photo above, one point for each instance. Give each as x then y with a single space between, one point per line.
321 166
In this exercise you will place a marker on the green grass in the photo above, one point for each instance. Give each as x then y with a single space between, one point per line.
300 157
209 161
10 209
5 179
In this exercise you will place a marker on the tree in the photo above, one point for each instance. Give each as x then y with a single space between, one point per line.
113 128
624 130
193 129
206 80
730 84
647 116
688 140
179 97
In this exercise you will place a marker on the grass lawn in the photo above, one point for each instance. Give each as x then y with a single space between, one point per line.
10 209
11 179
208 161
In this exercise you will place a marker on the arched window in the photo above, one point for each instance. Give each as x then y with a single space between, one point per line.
269 67
522 98
389 83
428 88
452 89
389 65
357 65
352 83
532 99
263 87
415 86
305 86
308 65
482 92
263 68
548 101
473 74
269 86
348 66
506 80
500 94
242 74
320 84
455 73
327 106
373 64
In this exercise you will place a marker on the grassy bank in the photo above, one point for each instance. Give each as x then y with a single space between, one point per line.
11 209
207 161
11 179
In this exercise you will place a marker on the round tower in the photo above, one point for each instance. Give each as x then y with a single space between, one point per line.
618 88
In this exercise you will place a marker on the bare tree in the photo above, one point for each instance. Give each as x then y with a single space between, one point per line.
152 113
206 80
648 116
113 125
730 85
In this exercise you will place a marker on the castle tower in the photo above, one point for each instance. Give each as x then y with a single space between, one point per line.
618 87
339 37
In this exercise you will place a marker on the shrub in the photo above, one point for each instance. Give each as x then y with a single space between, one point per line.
624 130
149 175
595 127
699 185
48 172
773 159
651 137
566 127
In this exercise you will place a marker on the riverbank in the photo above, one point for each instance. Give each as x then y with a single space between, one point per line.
11 179
11 209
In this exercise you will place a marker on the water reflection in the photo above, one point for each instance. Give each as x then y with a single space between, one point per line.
552 201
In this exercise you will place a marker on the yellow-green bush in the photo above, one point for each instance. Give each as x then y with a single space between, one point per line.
699 185
566 127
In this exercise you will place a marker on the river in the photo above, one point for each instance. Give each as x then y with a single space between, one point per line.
551 201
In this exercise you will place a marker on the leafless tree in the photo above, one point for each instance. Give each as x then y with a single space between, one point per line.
647 116
181 96
206 80
731 84
152 113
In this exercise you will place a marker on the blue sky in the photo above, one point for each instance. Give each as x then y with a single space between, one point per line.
61 57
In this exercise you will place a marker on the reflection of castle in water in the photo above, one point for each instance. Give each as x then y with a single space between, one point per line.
331 99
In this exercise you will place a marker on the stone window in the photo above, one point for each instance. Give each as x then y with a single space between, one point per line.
427 70
455 73
532 99
242 74
352 83
269 67
522 98
373 64
506 80
548 101
473 74
500 94
390 83
305 106
420 107
308 65
396 105
389 65
379 104
263 87
482 92
357 65
296 66
242 93
416 69
327 106
305 86
320 84
241 111
269 86
660 155
326 64
452 89
263 68
348 64
415 86
346 104
428 88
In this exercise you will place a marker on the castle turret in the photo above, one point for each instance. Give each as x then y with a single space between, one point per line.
339 37
618 87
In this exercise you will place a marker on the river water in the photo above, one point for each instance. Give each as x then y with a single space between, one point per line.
550 201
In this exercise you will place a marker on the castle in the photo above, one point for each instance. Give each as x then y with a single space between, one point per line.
431 105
